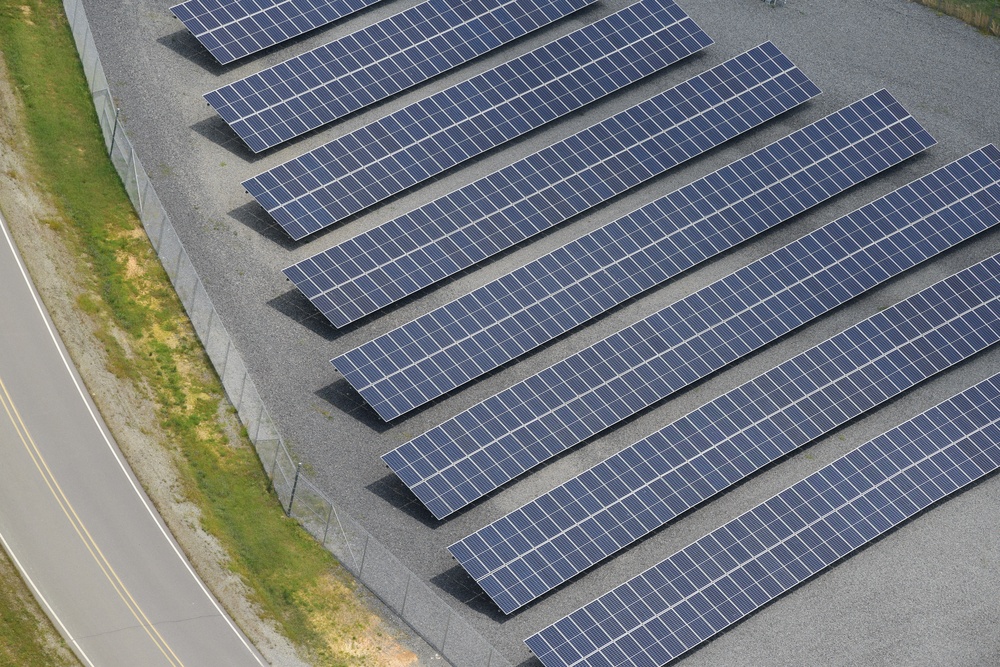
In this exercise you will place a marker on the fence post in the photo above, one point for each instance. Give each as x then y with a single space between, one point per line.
295 483
447 627
114 131
406 592
326 528
274 463
138 197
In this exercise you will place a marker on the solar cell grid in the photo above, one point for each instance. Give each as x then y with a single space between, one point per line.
726 575
423 139
635 492
480 331
232 29
404 255
494 441
333 80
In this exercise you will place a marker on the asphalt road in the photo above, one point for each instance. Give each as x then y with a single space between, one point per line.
74 519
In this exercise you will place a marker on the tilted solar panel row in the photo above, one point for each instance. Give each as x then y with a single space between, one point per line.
333 80
353 172
496 440
604 509
492 214
502 320
232 29
727 575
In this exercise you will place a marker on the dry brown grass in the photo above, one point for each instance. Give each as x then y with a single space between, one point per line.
982 14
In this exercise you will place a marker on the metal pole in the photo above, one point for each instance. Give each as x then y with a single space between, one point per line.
326 528
277 447
447 627
138 192
295 483
114 131
402 607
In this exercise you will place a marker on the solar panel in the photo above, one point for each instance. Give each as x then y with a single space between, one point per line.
423 139
475 452
404 255
232 29
333 80
502 320
728 574
601 511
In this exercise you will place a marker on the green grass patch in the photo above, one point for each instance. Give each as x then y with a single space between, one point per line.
27 639
150 343
87 189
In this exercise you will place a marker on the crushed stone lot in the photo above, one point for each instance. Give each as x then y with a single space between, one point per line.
927 594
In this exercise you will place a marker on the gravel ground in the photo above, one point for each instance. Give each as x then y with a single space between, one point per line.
925 595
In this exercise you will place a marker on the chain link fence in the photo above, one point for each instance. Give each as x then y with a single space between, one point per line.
364 556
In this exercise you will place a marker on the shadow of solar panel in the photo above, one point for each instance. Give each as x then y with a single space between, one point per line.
232 29
502 320
728 574
496 212
333 80
496 440
631 494
423 139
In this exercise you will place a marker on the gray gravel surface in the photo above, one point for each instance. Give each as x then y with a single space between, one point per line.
928 594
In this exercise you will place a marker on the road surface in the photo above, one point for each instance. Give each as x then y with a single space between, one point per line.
75 521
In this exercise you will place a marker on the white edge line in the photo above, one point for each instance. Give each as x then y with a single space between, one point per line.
114 452
41 598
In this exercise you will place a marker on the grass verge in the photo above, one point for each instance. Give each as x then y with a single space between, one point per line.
982 14
148 347
27 638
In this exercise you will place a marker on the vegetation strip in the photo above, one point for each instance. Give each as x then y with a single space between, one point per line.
151 349
982 14
27 639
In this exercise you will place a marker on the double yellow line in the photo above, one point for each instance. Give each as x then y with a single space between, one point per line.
81 530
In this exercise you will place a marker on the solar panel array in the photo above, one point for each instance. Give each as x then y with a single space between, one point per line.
232 29
333 80
475 452
423 139
725 576
502 320
402 256
722 578
601 511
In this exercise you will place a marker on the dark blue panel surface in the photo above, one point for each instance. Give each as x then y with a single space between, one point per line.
498 211
232 29
502 320
491 443
333 80
583 521
427 137
727 575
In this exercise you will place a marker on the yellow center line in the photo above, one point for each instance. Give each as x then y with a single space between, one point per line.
81 529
